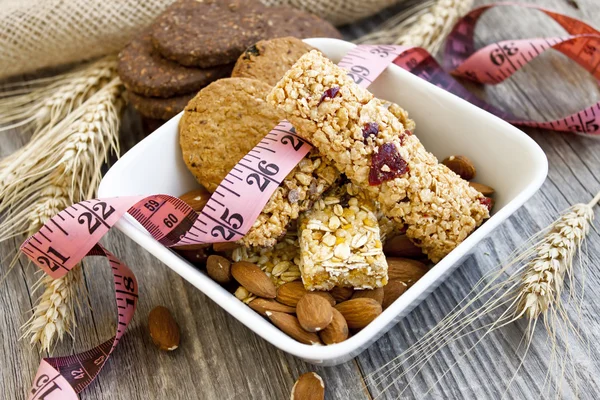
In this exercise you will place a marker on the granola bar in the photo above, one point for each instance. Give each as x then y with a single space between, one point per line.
374 149
340 243
303 185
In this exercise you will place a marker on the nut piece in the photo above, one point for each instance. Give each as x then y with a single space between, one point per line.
336 331
261 306
197 254
164 330
483 189
358 313
219 269
406 270
462 166
375 294
392 291
225 246
254 279
309 386
314 312
290 325
401 246
196 199
341 293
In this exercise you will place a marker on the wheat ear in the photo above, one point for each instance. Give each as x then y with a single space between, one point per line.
63 170
425 25
529 284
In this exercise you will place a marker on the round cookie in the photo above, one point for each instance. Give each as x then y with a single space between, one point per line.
222 124
269 60
144 71
288 21
159 108
208 33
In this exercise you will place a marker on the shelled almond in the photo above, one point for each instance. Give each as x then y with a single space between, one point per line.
314 312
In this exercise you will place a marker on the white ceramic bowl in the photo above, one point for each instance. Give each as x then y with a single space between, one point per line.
506 159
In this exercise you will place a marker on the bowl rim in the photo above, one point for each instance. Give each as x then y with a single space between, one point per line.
363 338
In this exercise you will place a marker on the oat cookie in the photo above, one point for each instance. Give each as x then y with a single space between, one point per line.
159 108
222 124
288 21
208 33
268 60
144 71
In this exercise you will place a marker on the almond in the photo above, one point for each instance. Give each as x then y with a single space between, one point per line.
253 279
196 198
483 189
401 246
336 331
309 386
392 291
219 269
196 254
225 246
358 313
406 270
461 166
164 331
261 306
290 325
314 312
341 293
375 294
291 292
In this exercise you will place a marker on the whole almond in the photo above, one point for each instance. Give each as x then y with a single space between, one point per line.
406 270
225 246
291 292
392 291
219 269
401 246
261 306
164 330
309 386
461 166
314 312
375 294
254 279
336 331
358 313
196 254
341 293
483 189
196 199
290 325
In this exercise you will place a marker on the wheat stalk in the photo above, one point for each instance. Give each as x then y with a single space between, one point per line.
426 25
57 169
529 284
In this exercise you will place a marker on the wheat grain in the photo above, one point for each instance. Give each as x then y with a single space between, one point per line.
425 25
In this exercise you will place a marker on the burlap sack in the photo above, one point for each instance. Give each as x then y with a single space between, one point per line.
41 33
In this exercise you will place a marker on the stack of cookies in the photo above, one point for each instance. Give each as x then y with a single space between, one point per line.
194 43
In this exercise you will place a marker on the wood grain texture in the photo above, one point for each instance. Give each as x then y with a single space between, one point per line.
221 359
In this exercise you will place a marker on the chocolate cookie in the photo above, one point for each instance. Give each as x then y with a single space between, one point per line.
144 71
222 124
288 21
268 60
208 33
159 108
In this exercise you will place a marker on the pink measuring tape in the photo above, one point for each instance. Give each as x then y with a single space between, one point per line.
232 209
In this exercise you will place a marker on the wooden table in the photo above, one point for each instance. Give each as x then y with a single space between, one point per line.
220 359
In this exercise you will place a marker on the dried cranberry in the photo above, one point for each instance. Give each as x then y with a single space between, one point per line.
486 201
387 156
407 132
329 94
370 128
402 139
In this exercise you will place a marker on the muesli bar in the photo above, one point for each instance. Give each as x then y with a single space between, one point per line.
340 243
374 149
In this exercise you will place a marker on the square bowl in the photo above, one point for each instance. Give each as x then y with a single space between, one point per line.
446 125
